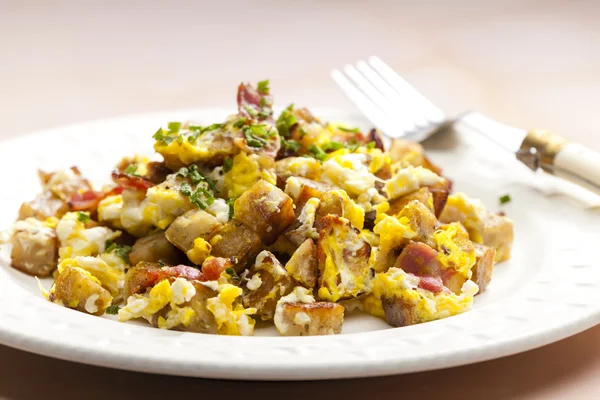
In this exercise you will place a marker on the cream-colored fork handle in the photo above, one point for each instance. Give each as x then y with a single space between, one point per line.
570 161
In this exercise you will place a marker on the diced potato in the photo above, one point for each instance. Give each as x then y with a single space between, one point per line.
337 202
267 281
304 226
154 248
423 195
44 205
266 209
343 259
236 240
303 264
440 193
302 189
309 319
484 265
193 224
421 220
34 247
404 152
498 234
78 289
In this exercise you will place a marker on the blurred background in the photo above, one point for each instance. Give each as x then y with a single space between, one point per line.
529 63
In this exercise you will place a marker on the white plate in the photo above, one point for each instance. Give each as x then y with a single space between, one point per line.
548 291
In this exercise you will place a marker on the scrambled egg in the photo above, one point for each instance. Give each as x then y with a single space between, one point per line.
455 250
109 210
393 233
247 169
410 179
470 212
163 204
220 210
76 240
422 305
200 251
348 172
231 319
175 294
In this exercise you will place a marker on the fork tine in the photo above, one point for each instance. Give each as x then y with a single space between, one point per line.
409 116
371 91
371 111
431 112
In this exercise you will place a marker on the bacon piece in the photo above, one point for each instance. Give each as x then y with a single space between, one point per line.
131 182
417 258
145 275
432 283
251 102
212 267
87 200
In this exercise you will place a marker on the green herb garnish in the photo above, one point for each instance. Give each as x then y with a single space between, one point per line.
202 198
231 203
291 144
174 127
332 146
83 217
227 164
231 272
121 251
505 199
163 136
351 130
317 152
185 189
162 263
131 169
370 145
112 310
286 121
263 86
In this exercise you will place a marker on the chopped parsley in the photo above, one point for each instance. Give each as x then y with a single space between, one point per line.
231 203
263 86
317 152
227 164
291 144
286 121
505 199
332 146
112 310
196 176
344 129
185 189
121 251
231 272
83 217
202 198
131 169
174 127
163 136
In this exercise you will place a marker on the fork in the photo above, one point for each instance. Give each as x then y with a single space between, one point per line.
398 110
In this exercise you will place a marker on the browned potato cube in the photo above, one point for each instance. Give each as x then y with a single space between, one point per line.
498 234
267 281
398 312
302 189
34 248
423 195
440 193
343 259
303 264
154 248
421 221
484 264
337 202
78 289
309 319
266 209
304 226
236 240
44 205
193 224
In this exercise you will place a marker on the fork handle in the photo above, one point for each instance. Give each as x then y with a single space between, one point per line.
570 161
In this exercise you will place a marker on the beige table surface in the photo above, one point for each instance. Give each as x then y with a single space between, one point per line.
529 63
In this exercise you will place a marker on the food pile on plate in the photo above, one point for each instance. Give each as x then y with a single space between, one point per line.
262 218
